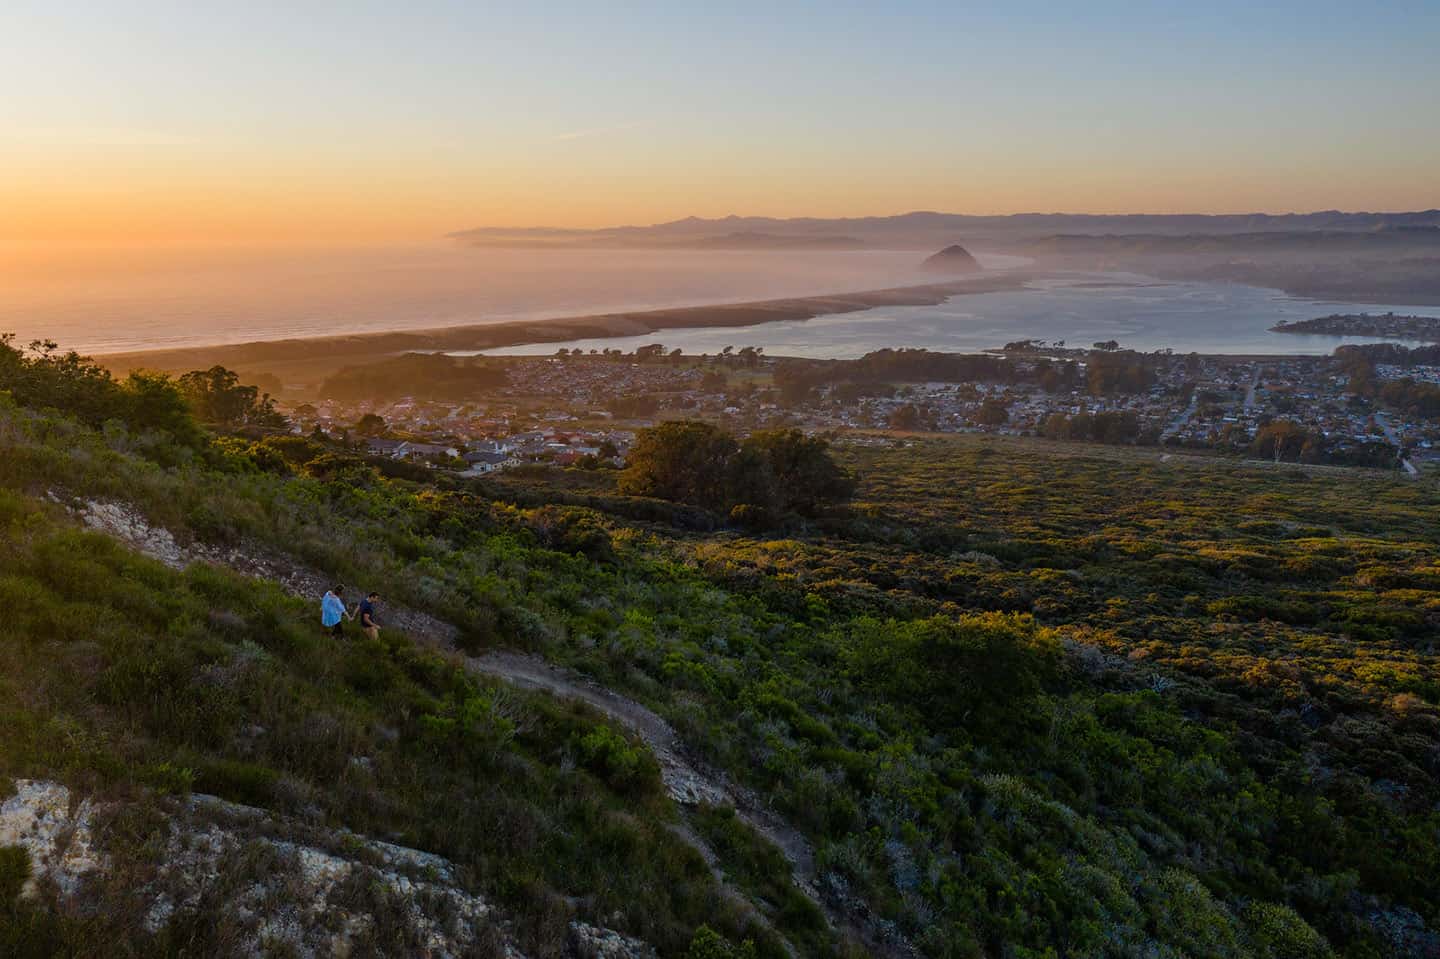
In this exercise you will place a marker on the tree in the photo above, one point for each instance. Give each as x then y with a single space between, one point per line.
905 417
1115 426
773 471
1412 398
628 407
795 392
155 402
1107 373
1054 378
1286 439
993 413
42 376
1056 427
714 381
681 460
804 476
217 396
147 403
371 424
750 482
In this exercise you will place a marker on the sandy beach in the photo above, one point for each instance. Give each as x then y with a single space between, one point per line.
307 358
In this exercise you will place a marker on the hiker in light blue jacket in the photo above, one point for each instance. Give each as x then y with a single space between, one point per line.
333 611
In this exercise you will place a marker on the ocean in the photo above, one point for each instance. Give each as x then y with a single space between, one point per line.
215 298
197 299
1080 309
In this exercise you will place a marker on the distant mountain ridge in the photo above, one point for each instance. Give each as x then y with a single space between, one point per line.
929 229
750 240
1270 241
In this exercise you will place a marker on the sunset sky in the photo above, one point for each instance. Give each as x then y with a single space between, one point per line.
158 124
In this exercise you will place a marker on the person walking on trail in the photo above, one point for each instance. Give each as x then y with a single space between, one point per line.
333 611
366 613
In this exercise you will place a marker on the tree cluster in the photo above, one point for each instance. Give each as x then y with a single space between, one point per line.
219 398
1110 426
873 373
892 366
1421 400
1108 373
42 377
1288 440
771 472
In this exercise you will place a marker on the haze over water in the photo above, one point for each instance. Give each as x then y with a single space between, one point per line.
234 298
1139 312
203 299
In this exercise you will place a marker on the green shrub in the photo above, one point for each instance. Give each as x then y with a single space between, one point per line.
624 766
243 782
761 869
14 871
1278 933
167 778
709 944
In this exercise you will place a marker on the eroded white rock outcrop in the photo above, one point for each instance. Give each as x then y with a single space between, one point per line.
278 885
58 836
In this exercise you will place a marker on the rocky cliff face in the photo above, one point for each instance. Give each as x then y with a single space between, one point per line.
953 259
281 887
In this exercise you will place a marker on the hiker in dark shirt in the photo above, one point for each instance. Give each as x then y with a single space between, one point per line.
366 614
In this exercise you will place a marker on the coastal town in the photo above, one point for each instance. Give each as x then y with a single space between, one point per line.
584 409
1417 328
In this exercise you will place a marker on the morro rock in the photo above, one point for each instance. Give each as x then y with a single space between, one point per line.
952 259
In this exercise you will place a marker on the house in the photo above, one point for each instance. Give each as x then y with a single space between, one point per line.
382 447
409 450
484 461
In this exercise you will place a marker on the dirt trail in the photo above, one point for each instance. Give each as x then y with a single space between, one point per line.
130 527
688 782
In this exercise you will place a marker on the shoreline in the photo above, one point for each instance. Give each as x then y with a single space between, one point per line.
1414 328
326 353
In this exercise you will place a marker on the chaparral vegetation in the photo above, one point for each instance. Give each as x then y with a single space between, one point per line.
1022 698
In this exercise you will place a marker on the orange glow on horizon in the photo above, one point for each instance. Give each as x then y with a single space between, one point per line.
163 126
141 214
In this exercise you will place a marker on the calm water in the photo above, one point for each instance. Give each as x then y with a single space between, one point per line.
1081 309
199 298
231 298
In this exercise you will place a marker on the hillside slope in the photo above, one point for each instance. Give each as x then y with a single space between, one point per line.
1019 696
